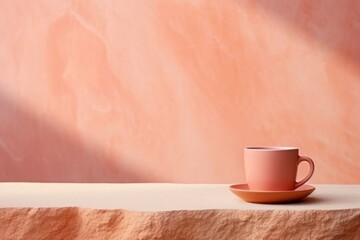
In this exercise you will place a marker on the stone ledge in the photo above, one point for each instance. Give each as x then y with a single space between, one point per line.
84 223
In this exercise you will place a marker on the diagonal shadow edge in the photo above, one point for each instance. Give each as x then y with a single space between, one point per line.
35 150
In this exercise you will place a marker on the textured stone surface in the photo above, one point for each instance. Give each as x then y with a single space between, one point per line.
78 223
171 211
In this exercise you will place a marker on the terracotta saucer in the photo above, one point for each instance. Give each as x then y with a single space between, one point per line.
253 196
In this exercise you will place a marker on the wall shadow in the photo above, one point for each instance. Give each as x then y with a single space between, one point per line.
35 150
334 25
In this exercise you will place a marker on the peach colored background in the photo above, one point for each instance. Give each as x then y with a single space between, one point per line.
166 90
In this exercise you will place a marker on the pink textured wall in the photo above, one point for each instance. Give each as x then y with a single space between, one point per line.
131 91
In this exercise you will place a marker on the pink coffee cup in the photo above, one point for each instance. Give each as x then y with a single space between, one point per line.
274 168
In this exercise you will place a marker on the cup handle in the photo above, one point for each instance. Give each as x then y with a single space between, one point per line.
312 167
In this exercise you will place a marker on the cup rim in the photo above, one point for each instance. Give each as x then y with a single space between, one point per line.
270 148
